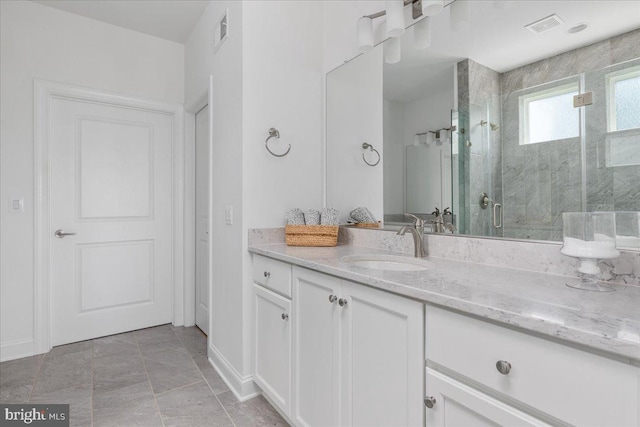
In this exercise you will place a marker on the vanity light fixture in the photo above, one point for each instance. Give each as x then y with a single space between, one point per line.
392 50
365 34
395 18
459 15
432 7
422 33
395 23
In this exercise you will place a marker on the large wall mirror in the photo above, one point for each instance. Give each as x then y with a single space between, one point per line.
507 124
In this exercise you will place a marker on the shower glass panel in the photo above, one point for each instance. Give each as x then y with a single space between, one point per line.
537 150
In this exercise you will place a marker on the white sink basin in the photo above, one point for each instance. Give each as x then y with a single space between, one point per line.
386 262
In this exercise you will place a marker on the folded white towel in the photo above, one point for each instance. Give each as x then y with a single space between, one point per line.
294 216
329 216
312 217
363 215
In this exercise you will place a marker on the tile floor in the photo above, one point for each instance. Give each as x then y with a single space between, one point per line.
152 377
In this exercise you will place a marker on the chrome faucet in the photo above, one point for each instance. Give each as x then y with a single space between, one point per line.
417 230
448 224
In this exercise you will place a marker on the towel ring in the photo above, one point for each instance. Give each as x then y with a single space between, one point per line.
274 133
370 147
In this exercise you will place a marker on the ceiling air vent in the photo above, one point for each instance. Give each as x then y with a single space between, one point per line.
545 24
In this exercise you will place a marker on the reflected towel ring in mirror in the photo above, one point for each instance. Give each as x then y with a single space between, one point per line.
274 133
370 147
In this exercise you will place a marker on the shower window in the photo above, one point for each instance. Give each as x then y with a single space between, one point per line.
623 98
549 115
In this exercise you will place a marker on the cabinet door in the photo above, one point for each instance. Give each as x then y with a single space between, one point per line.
273 346
316 349
458 405
382 358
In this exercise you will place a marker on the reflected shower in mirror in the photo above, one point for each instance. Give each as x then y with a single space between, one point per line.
505 123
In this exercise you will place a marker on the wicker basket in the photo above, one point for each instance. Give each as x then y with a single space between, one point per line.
368 224
311 235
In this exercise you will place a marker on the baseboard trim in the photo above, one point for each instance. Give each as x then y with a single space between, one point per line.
17 349
241 386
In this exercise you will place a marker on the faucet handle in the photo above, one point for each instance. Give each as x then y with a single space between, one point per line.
447 211
436 212
419 222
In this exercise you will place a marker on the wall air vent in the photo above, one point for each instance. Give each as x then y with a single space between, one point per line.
545 24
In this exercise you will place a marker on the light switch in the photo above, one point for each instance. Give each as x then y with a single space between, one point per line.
228 215
16 204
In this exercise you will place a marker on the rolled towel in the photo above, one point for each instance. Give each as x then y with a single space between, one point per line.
362 214
329 216
312 217
294 216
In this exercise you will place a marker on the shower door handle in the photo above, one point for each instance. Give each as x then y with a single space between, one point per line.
497 214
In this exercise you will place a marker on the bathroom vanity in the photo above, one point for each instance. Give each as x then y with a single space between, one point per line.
456 344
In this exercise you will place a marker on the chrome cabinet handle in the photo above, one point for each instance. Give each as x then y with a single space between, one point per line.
503 367
429 401
342 302
285 316
61 234
267 274
332 298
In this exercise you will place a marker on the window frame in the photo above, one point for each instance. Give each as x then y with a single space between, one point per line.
611 80
525 100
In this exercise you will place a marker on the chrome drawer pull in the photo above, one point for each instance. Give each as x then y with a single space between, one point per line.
332 298
342 302
429 401
503 367
285 316
267 274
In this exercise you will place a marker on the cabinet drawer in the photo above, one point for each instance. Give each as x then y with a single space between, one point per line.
455 404
272 274
574 386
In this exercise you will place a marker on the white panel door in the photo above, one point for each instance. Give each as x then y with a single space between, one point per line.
111 185
273 346
316 401
382 358
202 219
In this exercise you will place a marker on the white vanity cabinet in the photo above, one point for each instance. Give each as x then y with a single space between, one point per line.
358 354
273 332
479 373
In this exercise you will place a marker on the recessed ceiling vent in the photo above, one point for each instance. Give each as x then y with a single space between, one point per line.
545 24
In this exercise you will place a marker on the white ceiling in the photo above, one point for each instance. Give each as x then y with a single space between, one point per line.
497 39
168 19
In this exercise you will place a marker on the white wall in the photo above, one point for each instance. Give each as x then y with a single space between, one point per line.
226 308
282 88
46 43
394 143
268 73
354 115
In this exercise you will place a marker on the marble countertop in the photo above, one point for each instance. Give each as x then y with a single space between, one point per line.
536 302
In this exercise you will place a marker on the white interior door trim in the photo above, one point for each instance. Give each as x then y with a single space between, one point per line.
189 207
44 92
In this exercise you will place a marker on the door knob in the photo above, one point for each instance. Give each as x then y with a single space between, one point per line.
503 367
60 234
429 401
342 302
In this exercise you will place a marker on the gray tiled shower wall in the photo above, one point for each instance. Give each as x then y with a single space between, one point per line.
537 182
